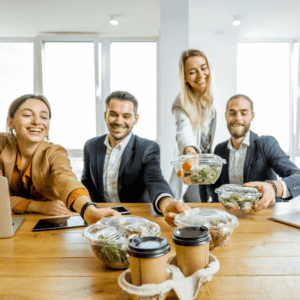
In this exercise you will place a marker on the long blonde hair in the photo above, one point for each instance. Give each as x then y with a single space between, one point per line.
191 104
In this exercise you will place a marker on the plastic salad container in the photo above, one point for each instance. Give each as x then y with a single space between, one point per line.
198 168
219 222
109 238
237 197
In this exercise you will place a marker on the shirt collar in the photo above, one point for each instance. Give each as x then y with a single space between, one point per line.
246 142
119 146
19 166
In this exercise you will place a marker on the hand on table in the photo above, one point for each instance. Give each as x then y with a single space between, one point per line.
93 214
268 194
170 208
50 208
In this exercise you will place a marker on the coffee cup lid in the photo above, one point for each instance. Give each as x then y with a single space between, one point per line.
148 247
191 236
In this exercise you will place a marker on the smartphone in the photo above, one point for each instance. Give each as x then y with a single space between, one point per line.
121 209
59 223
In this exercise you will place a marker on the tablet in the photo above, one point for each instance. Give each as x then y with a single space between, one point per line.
292 219
59 223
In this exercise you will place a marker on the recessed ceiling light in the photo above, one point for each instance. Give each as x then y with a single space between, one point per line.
236 20
113 20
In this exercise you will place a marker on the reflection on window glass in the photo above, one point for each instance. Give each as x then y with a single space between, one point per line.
16 75
263 75
133 69
69 86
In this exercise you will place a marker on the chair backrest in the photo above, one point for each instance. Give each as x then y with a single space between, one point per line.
6 228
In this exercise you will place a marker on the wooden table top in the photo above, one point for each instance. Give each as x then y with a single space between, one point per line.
261 260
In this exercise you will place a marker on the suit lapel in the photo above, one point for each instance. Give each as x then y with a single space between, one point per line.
100 159
226 166
249 156
10 154
128 152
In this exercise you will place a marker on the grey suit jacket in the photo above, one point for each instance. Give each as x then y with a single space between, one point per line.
263 161
140 179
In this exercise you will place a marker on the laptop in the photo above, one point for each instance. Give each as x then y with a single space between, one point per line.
292 219
8 224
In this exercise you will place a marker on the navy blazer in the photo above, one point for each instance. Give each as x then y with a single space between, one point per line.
263 161
140 179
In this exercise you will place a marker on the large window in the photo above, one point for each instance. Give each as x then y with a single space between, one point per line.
76 73
69 85
134 69
268 73
16 74
263 75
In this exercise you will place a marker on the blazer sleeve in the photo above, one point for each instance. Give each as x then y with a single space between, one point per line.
185 134
281 164
152 175
86 175
65 181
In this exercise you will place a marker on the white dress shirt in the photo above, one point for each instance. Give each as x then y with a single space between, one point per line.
112 164
237 161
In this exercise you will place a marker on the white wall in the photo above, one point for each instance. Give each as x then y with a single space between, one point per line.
221 52
173 41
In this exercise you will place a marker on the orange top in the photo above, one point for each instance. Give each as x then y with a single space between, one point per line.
21 183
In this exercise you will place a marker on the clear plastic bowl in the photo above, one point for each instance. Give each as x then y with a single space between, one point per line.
237 197
198 168
219 222
109 238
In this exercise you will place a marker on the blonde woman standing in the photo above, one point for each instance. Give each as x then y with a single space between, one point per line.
195 118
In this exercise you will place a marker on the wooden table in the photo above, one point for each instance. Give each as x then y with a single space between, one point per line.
260 261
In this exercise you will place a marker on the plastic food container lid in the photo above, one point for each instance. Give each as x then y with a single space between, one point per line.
208 217
148 247
227 190
134 223
114 228
191 236
202 158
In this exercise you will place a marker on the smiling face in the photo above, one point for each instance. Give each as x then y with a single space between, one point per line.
196 74
31 122
120 119
239 116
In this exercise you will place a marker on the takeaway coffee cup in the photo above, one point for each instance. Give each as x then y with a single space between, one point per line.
192 248
148 260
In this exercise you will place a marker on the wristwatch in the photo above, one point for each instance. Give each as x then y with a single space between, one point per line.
85 206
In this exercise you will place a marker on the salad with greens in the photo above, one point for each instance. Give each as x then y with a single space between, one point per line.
237 197
202 174
109 238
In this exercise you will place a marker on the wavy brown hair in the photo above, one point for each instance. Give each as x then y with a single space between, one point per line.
190 103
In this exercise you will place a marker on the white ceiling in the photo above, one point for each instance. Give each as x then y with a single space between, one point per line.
259 18
28 18
141 18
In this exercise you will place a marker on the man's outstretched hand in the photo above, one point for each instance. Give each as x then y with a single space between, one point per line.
170 208
268 194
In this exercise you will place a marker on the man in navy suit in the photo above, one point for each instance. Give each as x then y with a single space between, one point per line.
252 160
123 167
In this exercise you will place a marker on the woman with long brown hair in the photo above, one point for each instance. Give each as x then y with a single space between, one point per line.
195 118
39 174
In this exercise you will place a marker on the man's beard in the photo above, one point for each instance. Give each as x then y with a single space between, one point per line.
239 135
117 138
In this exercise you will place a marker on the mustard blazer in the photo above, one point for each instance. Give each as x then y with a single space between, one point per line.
51 173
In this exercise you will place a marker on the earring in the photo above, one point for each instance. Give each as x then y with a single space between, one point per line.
12 133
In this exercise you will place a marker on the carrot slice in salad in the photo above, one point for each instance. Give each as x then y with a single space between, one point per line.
186 166
179 173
